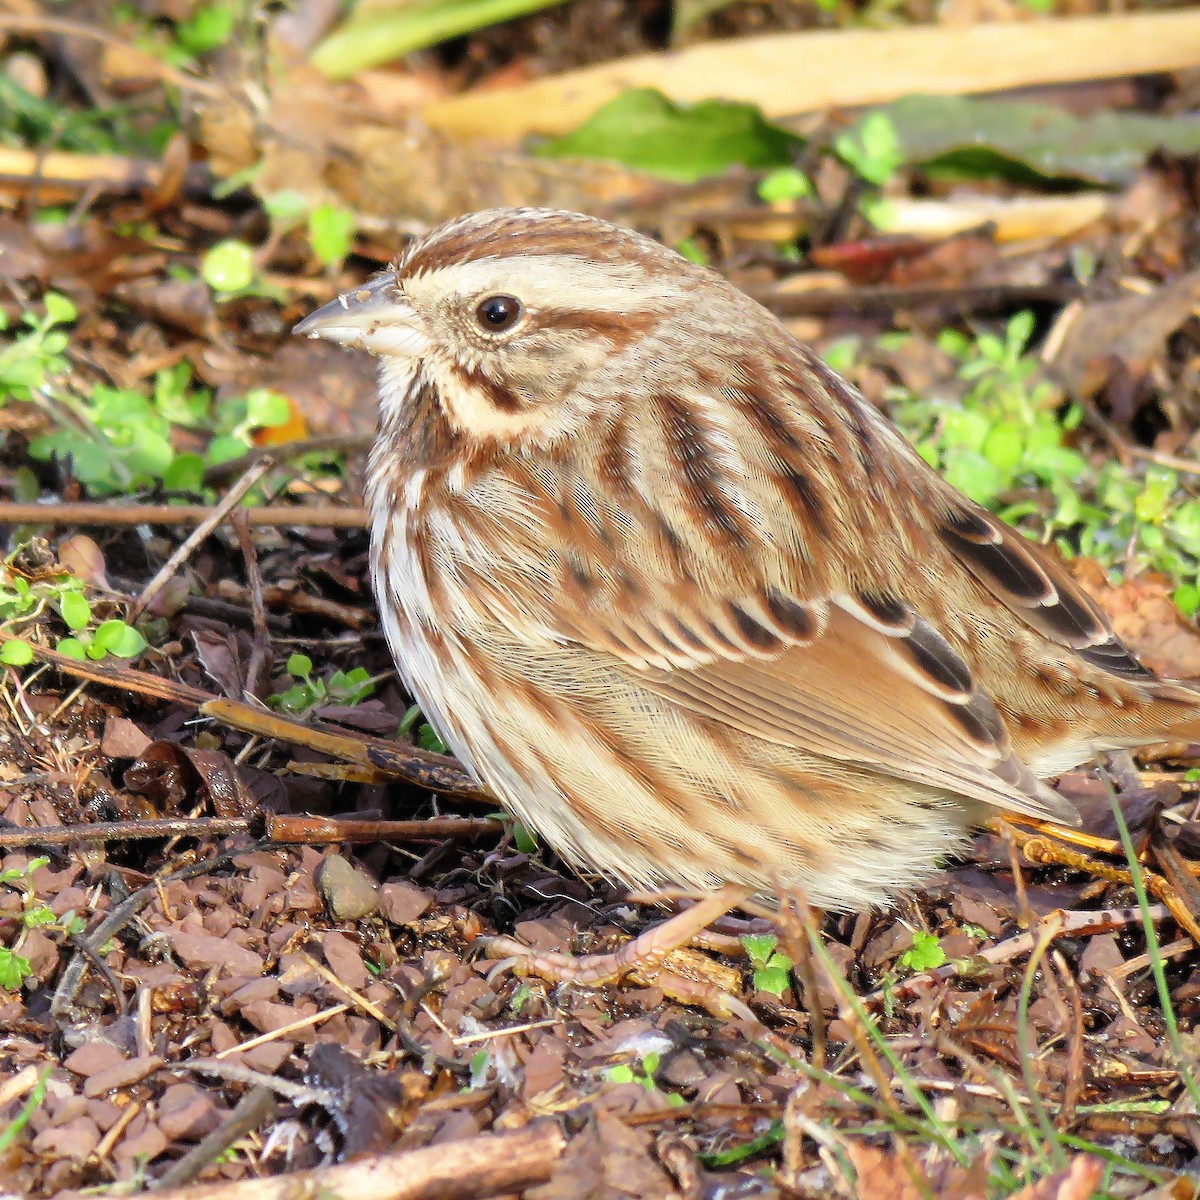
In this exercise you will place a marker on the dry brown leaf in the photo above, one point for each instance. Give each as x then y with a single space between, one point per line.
1128 334
841 68
1146 619
331 146
1078 1182
886 1175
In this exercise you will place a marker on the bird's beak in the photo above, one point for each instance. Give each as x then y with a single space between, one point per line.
372 317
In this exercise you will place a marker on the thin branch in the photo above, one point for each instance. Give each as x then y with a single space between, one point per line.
435 772
316 516
185 549
490 1164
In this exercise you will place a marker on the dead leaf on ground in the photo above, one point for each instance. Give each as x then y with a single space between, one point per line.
327 145
1078 1182
1125 335
607 1161
1146 619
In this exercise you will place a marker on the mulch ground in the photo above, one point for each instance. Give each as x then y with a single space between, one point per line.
212 1006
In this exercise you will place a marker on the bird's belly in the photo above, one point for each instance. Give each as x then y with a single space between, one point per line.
617 781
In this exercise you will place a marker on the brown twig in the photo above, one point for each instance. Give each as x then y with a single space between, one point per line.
58 175
255 1108
315 516
260 658
315 831
118 831
435 772
487 1165
184 550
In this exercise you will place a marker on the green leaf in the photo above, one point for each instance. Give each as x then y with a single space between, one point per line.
184 473
266 409
784 186
16 653
428 738
379 34
286 207
759 948
973 474
37 916
871 147
692 251
14 969
116 637
59 310
224 449
771 979
964 428
525 842
1030 141
72 648
1186 597
1004 446
228 267
208 27
645 131
925 954
331 233
623 1073
299 665
76 611
296 699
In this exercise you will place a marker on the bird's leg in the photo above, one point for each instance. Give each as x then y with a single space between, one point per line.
645 957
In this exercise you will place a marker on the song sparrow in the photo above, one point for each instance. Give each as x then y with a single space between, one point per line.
682 599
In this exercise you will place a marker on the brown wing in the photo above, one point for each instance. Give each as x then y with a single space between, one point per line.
879 688
1036 588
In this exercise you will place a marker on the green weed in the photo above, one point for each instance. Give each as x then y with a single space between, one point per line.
309 691
771 968
90 636
1009 430
643 1072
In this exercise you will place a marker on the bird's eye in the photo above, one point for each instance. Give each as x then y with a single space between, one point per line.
498 313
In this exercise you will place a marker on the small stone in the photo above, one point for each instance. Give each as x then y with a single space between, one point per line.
186 1112
93 1057
122 1075
348 892
403 903
202 952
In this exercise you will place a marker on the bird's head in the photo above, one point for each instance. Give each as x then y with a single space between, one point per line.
528 324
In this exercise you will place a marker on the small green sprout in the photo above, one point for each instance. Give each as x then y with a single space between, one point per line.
230 270
427 737
643 1073
331 233
872 149
772 968
692 251
308 692
480 1067
35 354
23 601
785 186
925 954
208 27
15 968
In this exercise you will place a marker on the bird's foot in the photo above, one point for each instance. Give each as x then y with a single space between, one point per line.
657 958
